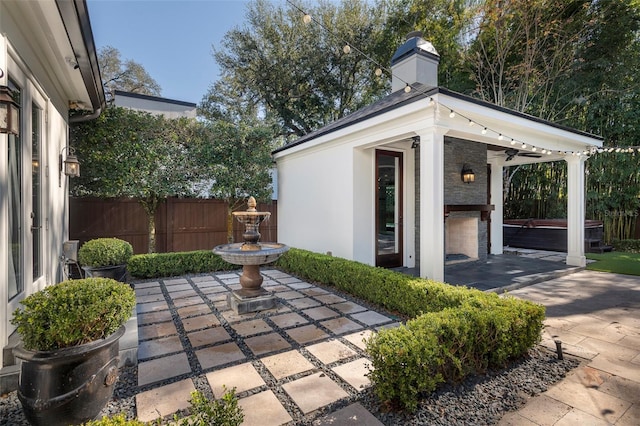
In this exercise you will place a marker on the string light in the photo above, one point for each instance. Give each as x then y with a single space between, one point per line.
307 19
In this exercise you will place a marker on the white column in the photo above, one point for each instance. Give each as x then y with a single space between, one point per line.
432 204
4 213
497 199
575 211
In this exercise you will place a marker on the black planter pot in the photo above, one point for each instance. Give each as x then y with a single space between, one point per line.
68 386
117 272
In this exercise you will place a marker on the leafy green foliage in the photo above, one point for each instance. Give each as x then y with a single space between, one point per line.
105 252
156 265
73 312
449 345
296 75
629 246
456 331
223 412
128 75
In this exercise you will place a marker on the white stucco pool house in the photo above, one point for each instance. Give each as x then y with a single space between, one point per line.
384 185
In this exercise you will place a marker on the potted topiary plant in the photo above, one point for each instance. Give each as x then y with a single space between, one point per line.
70 342
105 257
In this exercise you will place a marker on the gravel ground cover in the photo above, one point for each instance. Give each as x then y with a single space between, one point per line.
479 400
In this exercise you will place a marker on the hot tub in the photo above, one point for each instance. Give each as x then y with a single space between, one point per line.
545 234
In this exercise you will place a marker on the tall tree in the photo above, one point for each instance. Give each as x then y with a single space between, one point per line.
127 153
128 75
447 24
235 163
298 75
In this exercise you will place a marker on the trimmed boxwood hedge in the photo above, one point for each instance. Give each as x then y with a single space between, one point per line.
156 265
454 331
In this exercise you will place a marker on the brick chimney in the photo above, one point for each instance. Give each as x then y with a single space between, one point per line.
416 61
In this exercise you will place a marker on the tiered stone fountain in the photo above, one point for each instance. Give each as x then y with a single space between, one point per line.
251 254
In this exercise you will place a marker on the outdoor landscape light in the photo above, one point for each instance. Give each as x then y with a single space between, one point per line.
70 166
467 174
9 112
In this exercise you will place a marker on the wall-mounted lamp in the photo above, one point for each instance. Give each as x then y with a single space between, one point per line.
467 174
415 142
70 166
9 112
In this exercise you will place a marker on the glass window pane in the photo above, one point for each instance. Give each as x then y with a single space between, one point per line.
16 279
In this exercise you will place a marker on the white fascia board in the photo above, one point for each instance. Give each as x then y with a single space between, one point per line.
529 131
386 127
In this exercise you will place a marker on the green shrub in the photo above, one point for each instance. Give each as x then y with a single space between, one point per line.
73 312
455 331
392 290
223 412
104 252
156 265
627 246
449 345
117 420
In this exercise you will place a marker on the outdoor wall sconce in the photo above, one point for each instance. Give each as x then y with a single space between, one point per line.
9 113
70 166
467 174
415 142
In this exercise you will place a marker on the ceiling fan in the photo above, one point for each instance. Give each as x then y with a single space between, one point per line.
512 152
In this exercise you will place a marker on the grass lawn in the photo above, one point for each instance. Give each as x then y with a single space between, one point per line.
617 262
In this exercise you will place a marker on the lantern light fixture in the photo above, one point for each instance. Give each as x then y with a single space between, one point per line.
9 112
69 166
467 174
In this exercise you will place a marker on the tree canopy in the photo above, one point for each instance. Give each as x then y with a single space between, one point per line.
293 74
127 75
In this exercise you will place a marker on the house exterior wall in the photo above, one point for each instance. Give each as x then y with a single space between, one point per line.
41 98
315 204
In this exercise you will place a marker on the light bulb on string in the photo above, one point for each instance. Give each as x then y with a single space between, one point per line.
500 137
524 145
452 114
407 88
306 18
471 123
346 49
484 131
432 103
513 141
534 149
378 72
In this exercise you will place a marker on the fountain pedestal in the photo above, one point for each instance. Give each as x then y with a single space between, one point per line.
251 254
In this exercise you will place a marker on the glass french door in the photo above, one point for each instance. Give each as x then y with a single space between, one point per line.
389 208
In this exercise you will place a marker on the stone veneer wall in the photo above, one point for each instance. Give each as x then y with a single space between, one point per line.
457 152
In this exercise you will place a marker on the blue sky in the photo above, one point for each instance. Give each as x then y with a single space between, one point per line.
171 39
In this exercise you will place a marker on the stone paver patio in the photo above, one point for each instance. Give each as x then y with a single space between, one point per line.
285 363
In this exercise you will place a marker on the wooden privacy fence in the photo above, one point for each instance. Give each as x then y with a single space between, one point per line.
181 224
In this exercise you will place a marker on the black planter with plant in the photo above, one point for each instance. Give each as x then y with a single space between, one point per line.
70 348
105 257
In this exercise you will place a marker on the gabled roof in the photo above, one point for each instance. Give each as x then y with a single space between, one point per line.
401 98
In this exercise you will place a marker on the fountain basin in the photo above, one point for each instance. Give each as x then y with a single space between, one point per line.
235 254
